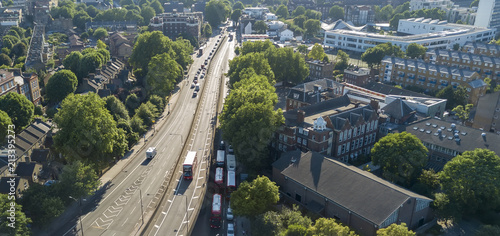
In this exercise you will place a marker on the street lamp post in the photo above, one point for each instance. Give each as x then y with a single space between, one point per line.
80 203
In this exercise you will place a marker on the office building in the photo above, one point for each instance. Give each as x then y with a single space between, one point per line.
359 15
488 14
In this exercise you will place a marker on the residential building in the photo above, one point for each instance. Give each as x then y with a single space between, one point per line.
29 170
174 25
359 15
485 66
380 91
270 17
487 115
488 14
107 80
7 83
320 69
173 6
246 22
11 16
357 76
416 5
307 4
256 12
464 14
112 25
120 46
398 112
358 40
19 183
356 198
31 138
424 106
285 35
446 140
431 76
25 84
324 8
199 7
35 58
482 48
313 92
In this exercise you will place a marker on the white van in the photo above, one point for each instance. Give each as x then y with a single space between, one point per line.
151 152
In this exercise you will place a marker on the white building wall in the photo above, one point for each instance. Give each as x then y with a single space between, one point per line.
484 13
416 5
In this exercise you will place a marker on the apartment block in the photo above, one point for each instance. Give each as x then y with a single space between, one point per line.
430 76
175 24
488 14
416 5
320 69
357 76
487 115
313 92
25 84
482 48
485 66
359 15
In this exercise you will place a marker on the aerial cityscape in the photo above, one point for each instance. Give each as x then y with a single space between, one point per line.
250 117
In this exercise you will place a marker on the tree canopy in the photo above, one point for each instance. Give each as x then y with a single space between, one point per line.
401 157
216 11
260 27
87 131
78 180
5 121
19 109
100 33
336 12
373 56
254 198
415 50
300 10
396 230
60 85
341 61
469 181
163 71
282 11
317 52
20 227
116 108
454 97
255 61
72 61
312 27
147 46
287 66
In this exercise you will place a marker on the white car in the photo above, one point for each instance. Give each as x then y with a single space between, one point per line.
230 229
229 215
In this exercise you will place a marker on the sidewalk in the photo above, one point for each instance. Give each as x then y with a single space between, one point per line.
72 210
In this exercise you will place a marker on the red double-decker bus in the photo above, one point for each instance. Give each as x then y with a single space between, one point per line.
231 182
219 175
189 165
215 219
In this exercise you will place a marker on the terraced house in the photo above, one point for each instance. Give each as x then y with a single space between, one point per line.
485 66
431 76
482 48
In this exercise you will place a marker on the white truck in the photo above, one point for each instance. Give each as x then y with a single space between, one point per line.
151 152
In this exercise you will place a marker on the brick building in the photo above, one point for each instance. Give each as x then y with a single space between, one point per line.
487 115
25 84
320 69
481 48
313 92
357 76
359 14
175 24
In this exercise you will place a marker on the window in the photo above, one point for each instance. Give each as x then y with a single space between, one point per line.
349 134
361 141
355 131
339 149
298 198
347 147
299 140
304 142
340 136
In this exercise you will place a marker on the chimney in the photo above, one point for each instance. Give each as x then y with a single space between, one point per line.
374 104
300 116
356 104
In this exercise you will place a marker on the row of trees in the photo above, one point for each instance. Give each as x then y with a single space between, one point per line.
373 56
15 47
85 62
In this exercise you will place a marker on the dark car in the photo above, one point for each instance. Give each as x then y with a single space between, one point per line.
222 145
215 222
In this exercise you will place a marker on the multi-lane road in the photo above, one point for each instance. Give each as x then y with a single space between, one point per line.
138 189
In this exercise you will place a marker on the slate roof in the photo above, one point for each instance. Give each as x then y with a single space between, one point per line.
470 138
420 64
351 116
4 186
391 90
29 136
328 107
25 169
305 92
478 83
480 45
471 57
358 191
397 109
40 155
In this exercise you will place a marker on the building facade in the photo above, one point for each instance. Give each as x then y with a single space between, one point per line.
359 15
313 92
482 48
416 5
485 66
487 115
431 77
25 84
357 76
425 33
320 69
175 24
488 14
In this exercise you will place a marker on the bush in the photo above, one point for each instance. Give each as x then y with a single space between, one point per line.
38 110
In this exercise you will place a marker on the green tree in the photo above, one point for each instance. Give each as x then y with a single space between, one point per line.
396 230
155 4
257 46
469 181
312 27
296 230
116 108
19 49
401 157
19 109
249 120
238 5
5 121
386 12
89 63
72 61
9 41
147 13
260 27
299 21
463 113
100 33
488 230
207 30
78 180
147 112
256 61
182 50
158 101
60 85
312 14
5 60
42 203
87 131
373 56
329 226
132 102
317 52
254 198
455 97
267 224
20 227
162 74
342 61
302 49
300 10
80 18
415 50
147 46
336 12
235 16
216 11
286 65
282 11
137 125
101 44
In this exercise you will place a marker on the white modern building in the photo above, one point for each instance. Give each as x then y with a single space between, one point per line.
488 14
433 34
416 5
256 12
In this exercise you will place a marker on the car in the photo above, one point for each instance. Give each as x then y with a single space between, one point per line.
195 81
222 145
206 62
195 94
201 76
229 214
230 229
209 57
230 149
197 72
215 222
192 85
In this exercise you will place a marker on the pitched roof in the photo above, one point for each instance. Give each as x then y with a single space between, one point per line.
40 155
25 169
306 92
352 116
358 191
470 138
316 110
5 186
478 83
397 109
